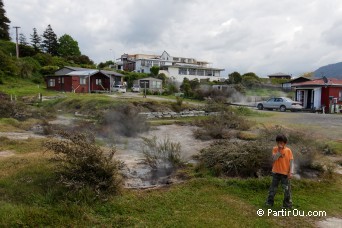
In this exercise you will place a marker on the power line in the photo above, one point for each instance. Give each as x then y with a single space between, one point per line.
16 39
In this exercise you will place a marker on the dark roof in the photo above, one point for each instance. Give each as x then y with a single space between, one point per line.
320 82
75 68
109 72
299 79
150 78
279 74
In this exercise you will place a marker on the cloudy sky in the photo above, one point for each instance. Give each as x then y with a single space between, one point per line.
261 36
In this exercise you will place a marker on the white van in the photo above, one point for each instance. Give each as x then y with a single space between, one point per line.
119 88
136 88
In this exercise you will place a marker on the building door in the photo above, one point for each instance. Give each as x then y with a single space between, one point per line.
309 102
300 96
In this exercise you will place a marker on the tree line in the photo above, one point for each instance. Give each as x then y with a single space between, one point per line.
39 55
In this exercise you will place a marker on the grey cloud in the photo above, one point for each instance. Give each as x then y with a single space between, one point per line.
333 35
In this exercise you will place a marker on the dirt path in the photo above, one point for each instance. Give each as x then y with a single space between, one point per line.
20 135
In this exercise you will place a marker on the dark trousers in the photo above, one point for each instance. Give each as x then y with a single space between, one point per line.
287 202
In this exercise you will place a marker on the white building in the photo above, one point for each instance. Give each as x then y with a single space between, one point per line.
176 68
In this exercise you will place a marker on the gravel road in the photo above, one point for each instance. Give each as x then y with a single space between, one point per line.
321 125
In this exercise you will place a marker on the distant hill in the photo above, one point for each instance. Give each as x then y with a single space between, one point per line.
329 71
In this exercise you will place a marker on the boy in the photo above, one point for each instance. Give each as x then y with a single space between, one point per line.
282 171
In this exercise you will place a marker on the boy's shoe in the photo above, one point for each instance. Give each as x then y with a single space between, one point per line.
269 204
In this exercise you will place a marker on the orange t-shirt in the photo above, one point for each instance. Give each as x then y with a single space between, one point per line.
282 164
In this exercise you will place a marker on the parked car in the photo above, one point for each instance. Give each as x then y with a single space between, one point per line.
135 88
281 103
119 88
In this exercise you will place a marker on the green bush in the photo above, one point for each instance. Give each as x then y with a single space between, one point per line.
219 126
240 159
9 109
81 164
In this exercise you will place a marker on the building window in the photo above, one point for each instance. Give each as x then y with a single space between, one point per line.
209 73
183 71
51 82
154 84
162 63
200 72
192 71
98 81
175 59
83 81
148 63
340 95
158 85
155 63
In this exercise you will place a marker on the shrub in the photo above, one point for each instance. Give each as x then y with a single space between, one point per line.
81 164
177 107
161 154
219 126
241 159
304 147
15 110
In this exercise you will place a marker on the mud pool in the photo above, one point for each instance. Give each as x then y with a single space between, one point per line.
137 173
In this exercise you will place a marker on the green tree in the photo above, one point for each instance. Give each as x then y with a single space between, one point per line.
186 87
234 78
163 77
22 39
106 64
50 42
26 50
194 84
252 75
80 60
36 41
4 23
154 70
68 46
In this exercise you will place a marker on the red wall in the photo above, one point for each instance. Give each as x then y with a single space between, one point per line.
330 91
72 83
59 85
105 82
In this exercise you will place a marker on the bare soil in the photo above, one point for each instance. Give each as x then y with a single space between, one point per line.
138 174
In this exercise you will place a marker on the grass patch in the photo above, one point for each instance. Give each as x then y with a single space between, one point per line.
29 145
335 147
245 111
181 120
24 87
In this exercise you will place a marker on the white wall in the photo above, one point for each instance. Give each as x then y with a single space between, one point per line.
173 72
317 98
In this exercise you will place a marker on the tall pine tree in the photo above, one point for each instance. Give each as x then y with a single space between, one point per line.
22 39
36 40
50 42
4 21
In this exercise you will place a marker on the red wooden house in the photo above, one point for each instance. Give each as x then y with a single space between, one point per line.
320 93
83 80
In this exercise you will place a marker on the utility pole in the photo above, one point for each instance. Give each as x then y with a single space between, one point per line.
16 39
